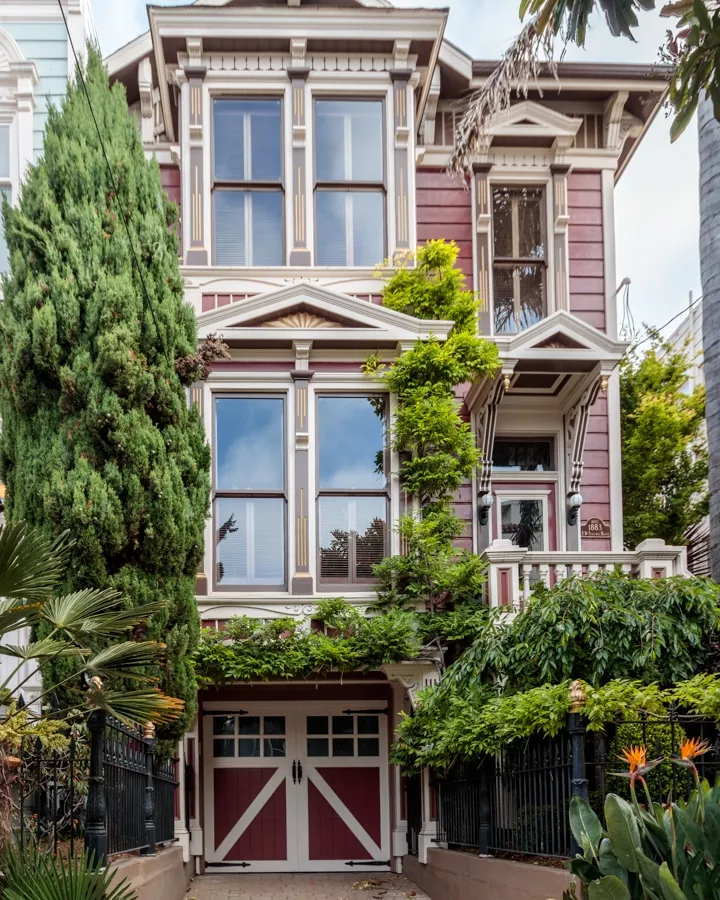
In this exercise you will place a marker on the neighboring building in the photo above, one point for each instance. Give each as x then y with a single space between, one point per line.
305 144
35 64
688 337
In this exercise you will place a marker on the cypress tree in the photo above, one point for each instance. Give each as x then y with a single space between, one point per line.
97 437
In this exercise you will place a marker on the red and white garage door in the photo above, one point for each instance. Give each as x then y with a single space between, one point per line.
303 789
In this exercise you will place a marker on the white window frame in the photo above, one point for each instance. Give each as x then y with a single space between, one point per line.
532 178
543 495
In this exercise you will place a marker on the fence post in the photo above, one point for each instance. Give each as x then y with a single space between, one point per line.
149 735
485 812
577 727
96 837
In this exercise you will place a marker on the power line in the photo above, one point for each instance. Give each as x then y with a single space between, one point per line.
147 303
669 321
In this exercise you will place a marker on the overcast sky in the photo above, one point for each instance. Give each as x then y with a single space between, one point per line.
656 201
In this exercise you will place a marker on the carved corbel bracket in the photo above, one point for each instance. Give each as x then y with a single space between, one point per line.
576 424
414 675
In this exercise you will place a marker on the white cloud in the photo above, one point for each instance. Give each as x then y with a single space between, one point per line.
657 198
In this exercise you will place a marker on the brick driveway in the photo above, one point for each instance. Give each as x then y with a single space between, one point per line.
362 886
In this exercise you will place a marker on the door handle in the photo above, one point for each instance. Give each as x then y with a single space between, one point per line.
294 772
300 772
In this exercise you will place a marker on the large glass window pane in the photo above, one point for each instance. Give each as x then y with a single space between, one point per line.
352 536
518 297
247 140
332 226
223 725
349 140
351 438
4 256
367 228
522 522
248 228
4 151
517 223
249 444
250 538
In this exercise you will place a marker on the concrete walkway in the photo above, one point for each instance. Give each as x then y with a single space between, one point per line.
362 886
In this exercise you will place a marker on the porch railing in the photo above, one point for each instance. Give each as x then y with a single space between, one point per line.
513 572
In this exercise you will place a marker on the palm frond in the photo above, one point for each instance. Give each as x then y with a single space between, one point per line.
71 612
119 658
31 565
119 620
17 613
46 648
135 707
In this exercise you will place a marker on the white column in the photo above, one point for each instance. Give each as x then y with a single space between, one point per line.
399 831
181 830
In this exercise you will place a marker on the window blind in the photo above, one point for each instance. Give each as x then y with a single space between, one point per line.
250 539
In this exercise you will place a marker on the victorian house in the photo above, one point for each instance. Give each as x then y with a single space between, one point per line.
306 145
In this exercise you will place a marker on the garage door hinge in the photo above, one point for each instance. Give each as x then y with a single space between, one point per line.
368 862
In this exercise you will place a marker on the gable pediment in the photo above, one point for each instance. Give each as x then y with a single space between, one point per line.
310 311
559 341
564 334
531 119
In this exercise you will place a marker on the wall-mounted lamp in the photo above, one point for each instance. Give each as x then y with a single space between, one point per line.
485 503
574 502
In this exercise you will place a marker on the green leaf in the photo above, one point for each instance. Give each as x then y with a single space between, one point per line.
609 864
701 14
585 825
608 888
30 564
684 116
623 830
670 888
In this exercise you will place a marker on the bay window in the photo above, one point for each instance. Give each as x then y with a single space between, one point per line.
352 488
349 182
250 499
5 191
247 182
519 258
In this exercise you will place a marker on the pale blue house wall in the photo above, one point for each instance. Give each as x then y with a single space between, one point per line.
45 44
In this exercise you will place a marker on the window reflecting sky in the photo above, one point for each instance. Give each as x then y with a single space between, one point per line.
249 444
350 437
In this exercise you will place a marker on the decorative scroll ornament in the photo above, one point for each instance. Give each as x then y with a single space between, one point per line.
301 320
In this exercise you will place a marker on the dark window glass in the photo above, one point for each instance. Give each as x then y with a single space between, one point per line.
351 438
224 747
342 724
368 747
317 724
274 747
343 747
367 725
274 725
249 725
224 725
249 445
519 258
522 456
318 747
249 747
523 523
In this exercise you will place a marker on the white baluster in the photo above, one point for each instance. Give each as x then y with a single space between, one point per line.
526 572
576 569
544 574
626 569
561 572
592 568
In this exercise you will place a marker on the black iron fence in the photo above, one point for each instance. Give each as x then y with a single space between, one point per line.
517 803
106 794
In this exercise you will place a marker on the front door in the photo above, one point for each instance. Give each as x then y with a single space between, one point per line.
296 790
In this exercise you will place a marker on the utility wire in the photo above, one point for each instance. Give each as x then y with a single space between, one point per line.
147 303
669 322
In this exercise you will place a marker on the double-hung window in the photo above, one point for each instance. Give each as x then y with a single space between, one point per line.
519 258
247 182
352 495
250 484
349 182
5 191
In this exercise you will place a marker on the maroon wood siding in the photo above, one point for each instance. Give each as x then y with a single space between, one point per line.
170 179
595 487
585 238
444 211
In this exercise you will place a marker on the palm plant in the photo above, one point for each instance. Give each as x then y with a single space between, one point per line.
28 874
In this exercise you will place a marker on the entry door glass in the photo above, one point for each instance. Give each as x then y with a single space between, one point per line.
523 523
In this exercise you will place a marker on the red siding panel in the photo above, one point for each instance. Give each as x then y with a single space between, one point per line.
586 246
266 836
595 486
329 836
359 790
444 211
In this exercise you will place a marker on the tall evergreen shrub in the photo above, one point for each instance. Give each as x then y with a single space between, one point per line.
97 437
